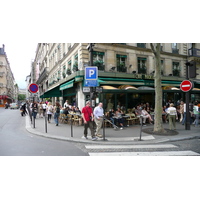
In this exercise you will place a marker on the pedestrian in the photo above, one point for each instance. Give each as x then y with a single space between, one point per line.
34 107
49 111
66 104
196 114
23 110
88 119
172 116
44 106
98 118
57 108
181 110
6 105
40 109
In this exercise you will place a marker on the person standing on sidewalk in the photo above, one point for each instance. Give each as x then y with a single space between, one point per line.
57 108
88 119
172 116
196 114
98 118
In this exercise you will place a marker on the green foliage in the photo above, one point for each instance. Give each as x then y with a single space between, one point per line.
21 97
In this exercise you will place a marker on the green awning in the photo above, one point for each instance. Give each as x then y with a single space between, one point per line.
98 53
121 56
67 85
55 92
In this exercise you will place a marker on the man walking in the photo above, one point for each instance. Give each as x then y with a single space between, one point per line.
88 119
172 116
98 118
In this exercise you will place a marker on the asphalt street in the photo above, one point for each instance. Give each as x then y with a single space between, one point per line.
16 141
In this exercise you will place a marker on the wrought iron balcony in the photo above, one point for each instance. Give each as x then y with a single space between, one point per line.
194 52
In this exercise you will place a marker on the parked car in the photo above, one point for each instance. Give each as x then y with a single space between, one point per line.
14 106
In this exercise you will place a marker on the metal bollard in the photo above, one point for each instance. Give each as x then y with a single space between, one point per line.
71 127
103 129
140 128
45 123
33 122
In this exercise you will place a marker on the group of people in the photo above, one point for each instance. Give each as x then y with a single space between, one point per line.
89 117
178 113
55 110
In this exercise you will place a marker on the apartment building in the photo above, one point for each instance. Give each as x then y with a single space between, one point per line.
8 87
125 71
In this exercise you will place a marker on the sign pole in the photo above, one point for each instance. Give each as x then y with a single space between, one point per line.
91 64
187 98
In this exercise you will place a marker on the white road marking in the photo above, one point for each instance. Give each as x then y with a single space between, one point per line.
154 146
164 153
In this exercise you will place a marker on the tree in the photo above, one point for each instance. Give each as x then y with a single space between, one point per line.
21 97
158 127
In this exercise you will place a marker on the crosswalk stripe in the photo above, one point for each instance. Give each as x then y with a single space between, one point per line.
155 146
159 153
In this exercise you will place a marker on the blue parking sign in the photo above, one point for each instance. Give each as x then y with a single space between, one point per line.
91 73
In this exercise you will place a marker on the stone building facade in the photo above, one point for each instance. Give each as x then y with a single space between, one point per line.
8 87
59 70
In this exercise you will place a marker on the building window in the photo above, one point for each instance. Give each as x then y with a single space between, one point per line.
69 69
175 48
175 69
121 63
141 45
75 65
142 69
98 59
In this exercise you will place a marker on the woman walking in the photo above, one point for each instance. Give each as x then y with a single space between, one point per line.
57 108
49 111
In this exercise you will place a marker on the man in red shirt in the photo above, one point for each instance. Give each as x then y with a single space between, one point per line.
88 118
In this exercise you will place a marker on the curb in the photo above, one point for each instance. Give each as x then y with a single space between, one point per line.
132 140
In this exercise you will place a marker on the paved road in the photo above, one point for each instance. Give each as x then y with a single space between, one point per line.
16 141
178 148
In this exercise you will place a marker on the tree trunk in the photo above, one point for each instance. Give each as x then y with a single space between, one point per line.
158 126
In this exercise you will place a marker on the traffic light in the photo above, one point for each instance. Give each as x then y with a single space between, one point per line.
192 69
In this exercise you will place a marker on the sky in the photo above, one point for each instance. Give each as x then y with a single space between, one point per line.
20 54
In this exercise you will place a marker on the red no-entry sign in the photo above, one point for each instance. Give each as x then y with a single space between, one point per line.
186 86
33 88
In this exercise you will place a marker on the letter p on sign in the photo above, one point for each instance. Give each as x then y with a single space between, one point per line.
91 73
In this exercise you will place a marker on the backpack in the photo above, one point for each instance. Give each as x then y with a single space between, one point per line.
50 109
57 109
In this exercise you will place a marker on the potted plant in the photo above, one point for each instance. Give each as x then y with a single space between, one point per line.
176 72
99 64
75 67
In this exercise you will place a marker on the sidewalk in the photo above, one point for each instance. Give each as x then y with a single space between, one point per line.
129 135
